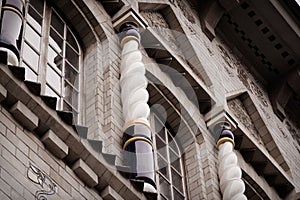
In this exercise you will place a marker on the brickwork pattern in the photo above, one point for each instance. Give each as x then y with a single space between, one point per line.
20 147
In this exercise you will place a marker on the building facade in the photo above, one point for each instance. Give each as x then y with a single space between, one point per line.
149 99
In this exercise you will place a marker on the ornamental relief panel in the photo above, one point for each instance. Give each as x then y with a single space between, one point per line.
233 66
157 21
238 109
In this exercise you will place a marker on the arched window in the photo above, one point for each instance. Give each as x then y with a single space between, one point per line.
51 55
170 179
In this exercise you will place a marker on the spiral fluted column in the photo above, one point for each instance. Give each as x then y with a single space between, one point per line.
11 28
230 174
134 95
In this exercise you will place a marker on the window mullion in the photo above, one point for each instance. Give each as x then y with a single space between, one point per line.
24 29
63 66
44 47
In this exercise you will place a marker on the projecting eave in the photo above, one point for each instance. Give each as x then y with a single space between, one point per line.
266 36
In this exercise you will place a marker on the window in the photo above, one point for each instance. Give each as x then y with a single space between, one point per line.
51 55
168 164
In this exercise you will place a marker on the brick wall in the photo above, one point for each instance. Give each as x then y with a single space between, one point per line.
20 147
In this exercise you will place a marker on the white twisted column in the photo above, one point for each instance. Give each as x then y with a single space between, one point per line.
230 174
134 95
133 81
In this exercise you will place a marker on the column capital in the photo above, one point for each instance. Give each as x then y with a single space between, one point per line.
128 16
127 23
129 31
221 124
223 131
221 115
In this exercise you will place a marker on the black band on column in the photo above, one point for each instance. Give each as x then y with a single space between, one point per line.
129 29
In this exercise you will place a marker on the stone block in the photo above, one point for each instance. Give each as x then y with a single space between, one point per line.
85 173
110 194
25 117
55 144
3 93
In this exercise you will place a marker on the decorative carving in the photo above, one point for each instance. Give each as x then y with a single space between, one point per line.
227 57
187 12
291 129
257 91
230 62
282 131
251 85
239 110
265 112
37 176
160 25
185 8
243 76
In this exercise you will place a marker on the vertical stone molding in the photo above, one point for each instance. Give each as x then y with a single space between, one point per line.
11 26
134 95
230 174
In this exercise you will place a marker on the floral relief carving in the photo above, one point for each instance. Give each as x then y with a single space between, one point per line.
161 27
239 110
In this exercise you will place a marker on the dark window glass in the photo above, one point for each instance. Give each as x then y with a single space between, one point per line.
71 75
72 41
72 56
57 23
38 5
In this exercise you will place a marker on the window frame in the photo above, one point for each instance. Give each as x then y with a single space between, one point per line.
170 167
65 102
